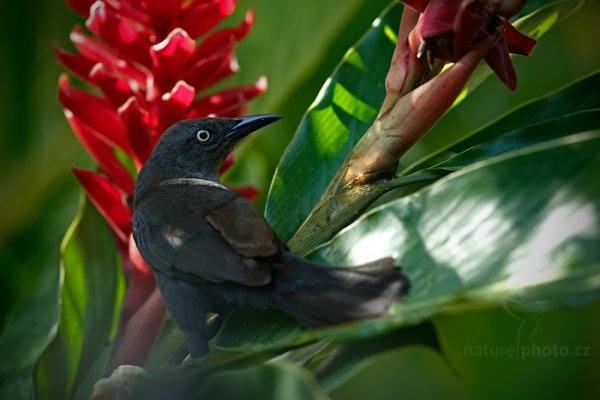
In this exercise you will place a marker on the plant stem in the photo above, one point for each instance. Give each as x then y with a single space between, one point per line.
369 170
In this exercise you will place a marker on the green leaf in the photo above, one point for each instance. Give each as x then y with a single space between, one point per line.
537 19
515 140
212 377
345 108
525 223
92 292
413 372
269 381
29 328
552 129
277 27
534 118
314 36
488 348
342 112
348 358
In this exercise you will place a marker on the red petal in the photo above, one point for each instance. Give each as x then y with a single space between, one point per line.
103 154
94 50
210 70
135 3
173 53
119 32
499 60
226 164
137 260
95 112
175 104
138 128
108 200
79 65
466 28
127 9
140 280
406 70
517 42
116 89
224 102
249 192
439 16
163 14
224 38
418 5
197 17
81 7
161 6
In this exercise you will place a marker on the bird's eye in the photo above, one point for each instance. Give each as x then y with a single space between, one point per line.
203 135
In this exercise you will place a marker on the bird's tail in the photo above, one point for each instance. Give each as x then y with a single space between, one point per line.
318 295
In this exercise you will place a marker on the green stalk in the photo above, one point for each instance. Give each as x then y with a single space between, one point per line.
369 170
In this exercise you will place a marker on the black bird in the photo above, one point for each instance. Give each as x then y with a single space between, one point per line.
211 250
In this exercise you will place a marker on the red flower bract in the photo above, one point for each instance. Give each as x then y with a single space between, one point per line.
150 71
448 28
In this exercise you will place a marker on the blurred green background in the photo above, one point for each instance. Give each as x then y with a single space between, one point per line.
296 45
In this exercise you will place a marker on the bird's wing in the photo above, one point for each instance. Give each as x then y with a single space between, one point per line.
244 229
216 243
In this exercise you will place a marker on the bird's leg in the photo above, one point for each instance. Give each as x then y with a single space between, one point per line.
197 343
189 304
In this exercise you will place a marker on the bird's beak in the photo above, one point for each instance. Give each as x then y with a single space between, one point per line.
250 124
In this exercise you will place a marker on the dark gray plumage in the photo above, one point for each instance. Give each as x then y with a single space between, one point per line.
211 250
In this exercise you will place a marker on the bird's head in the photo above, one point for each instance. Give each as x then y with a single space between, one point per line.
198 147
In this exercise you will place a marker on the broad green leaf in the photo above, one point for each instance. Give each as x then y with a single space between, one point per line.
348 358
552 129
533 5
523 224
313 35
346 107
199 378
413 372
342 112
272 381
515 140
305 31
91 297
538 17
543 113
29 328
488 348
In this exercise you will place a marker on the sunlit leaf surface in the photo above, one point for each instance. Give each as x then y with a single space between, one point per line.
524 224
346 107
343 111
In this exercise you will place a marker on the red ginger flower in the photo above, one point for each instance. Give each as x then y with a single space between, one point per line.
447 29
150 72
431 33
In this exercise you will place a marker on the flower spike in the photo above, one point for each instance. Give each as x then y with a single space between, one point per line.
151 70
447 29
197 18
